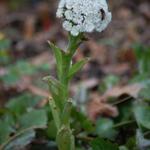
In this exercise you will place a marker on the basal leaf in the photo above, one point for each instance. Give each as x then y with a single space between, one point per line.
142 114
21 104
141 142
5 130
34 118
104 128
19 141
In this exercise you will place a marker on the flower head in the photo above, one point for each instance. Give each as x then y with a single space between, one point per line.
84 15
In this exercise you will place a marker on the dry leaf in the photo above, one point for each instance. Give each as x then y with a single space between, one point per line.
117 69
98 107
117 91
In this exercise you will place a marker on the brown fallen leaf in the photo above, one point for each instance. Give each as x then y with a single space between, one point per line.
117 91
117 69
98 107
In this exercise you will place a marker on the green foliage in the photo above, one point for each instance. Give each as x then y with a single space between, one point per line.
59 57
57 91
21 68
51 130
144 93
142 114
22 104
105 128
20 118
143 58
20 141
108 82
19 121
125 110
34 118
5 130
76 67
4 50
142 143
100 144
80 121
4 44
55 112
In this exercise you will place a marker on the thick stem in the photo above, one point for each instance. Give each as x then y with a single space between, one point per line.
64 134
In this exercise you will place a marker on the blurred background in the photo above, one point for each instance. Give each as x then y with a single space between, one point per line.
26 25
120 55
25 57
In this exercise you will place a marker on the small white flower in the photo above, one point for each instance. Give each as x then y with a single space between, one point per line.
75 30
68 14
60 12
84 15
67 25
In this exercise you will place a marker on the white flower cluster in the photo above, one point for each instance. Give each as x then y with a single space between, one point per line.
84 15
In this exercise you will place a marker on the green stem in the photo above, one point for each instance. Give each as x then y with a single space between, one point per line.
64 134
74 42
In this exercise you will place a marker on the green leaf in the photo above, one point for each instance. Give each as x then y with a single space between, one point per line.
21 104
144 93
142 143
81 121
5 130
4 111
51 130
19 141
56 89
34 118
104 128
100 144
142 114
143 57
7 126
5 44
55 112
131 143
65 118
11 78
24 68
16 71
58 56
125 110
77 67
